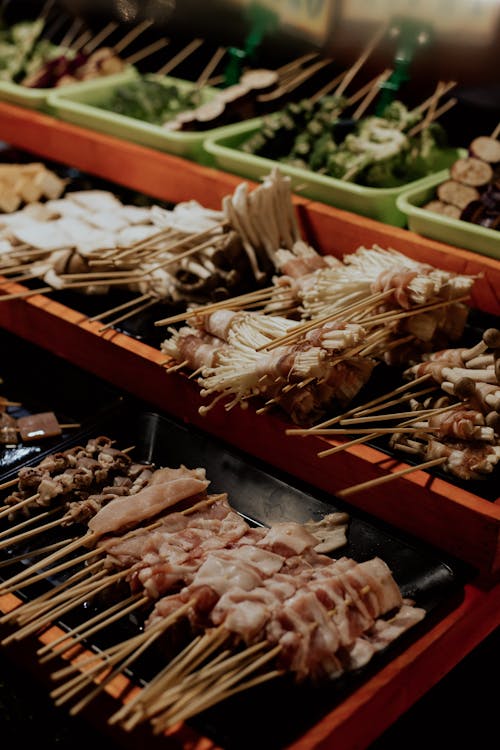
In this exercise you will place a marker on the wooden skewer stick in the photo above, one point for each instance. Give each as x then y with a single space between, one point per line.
71 33
36 605
297 63
222 663
239 301
326 89
389 477
427 103
101 282
64 598
132 35
496 131
36 553
100 37
210 67
28 293
55 613
373 91
300 329
373 435
153 633
129 314
28 534
392 415
356 67
184 663
215 694
17 506
179 57
296 81
27 522
81 41
119 308
8 484
5 402
90 627
128 651
149 50
10 584
445 107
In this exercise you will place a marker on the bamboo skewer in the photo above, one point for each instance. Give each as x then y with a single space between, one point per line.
17 506
132 36
441 111
71 33
99 38
128 314
14 583
149 50
372 93
179 57
496 131
210 67
28 293
27 522
119 308
90 627
35 605
389 477
373 435
296 81
354 69
149 703
212 307
10 483
300 329
221 690
376 401
36 553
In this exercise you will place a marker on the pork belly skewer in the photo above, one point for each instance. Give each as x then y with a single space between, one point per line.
270 613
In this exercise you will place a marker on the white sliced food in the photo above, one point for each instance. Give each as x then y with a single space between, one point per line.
136 214
112 220
132 234
95 240
38 211
5 247
95 200
65 207
42 235
75 229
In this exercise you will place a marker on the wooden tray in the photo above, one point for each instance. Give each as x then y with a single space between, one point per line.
431 508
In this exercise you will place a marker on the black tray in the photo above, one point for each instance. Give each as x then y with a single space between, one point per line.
262 496
41 381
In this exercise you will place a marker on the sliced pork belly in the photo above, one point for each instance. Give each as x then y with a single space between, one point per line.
125 512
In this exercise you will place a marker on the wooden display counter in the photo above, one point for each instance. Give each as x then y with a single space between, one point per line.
431 509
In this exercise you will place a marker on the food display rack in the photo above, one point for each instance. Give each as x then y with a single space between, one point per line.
429 508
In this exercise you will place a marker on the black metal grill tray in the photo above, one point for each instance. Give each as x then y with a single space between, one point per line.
273 715
42 381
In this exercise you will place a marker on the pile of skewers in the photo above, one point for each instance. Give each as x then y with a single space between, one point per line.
451 420
246 604
324 326
31 58
90 242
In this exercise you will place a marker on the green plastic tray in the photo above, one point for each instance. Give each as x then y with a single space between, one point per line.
435 226
376 203
80 107
24 96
